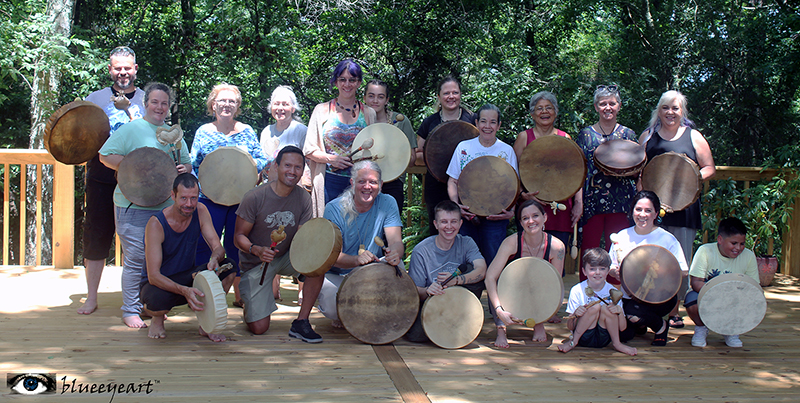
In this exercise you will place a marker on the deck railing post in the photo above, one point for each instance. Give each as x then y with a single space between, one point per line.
63 216
791 243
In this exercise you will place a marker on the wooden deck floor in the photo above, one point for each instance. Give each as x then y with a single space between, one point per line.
40 332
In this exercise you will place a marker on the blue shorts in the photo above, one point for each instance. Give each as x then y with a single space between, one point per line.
691 298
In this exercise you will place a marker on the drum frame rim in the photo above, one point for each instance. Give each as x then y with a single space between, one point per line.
574 147
513 200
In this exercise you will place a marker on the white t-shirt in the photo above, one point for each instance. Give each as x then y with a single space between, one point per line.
578 297
468 150
623 242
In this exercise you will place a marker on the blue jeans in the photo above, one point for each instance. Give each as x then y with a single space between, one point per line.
335 185
223 217
488 235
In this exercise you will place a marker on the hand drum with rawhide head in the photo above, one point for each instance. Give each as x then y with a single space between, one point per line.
442 143
731 304
76 132
651 274
554 166
454 319
619 157
390 149
315 247
675 179
530 288
214 316
145 176
375 306
488 185
226 174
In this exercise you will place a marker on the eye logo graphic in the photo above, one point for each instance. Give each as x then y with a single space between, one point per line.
31 383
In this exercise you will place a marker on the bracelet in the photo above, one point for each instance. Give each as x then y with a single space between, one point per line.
499 307
250 250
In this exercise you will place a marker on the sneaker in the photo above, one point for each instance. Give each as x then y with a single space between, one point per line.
699 338
301 329
733 341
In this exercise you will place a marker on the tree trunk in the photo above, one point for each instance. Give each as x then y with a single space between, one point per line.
44 99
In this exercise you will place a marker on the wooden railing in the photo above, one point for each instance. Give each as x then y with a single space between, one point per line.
790 263
63 211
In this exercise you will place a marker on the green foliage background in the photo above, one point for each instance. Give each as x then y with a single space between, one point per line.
737 61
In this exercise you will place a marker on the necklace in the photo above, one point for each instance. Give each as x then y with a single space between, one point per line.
605 135
535 251
441 115
353 111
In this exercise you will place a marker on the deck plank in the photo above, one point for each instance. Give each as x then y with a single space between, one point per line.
40 332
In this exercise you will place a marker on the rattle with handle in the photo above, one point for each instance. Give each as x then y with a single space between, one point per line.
366 145
277 236
574 251
452 276
379 242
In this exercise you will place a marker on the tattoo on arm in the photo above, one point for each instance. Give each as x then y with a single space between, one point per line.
561 254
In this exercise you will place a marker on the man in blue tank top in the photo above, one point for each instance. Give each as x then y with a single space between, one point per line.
170 244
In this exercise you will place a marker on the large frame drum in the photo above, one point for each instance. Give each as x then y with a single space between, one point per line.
454 319
531 288
76 132
650 274
442 143
731 304
619 157
390 148
554 166
214 316
315 247
375 305
226 174
145 176
675 179
488 185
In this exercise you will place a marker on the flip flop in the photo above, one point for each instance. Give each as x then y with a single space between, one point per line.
676 322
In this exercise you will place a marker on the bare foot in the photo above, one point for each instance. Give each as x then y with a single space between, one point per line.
89 306
337 324
502 341
157 330
568 345
554 319
624 348
539 334
216 338
134 321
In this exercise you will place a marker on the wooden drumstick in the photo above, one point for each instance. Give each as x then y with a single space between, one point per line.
527 322
178 147
589 305
379 242
370 158
366 145
590 293
452 276
574 251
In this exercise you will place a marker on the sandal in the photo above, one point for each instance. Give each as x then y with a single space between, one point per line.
238 304
660 339
676 322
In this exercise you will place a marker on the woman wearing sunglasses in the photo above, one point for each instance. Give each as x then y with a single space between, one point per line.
606 199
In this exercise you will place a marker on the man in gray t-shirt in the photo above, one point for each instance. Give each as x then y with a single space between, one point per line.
435 259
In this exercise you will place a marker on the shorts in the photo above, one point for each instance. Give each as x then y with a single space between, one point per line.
596 337
691 298
98 220
259 301
155 299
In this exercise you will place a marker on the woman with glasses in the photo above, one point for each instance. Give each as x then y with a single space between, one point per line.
544 111
331 131
671 130
606 199
223 103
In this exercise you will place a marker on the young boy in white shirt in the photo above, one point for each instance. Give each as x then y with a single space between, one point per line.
598 325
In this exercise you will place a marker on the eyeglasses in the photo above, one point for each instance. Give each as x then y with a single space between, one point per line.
540 109
351 80
611 88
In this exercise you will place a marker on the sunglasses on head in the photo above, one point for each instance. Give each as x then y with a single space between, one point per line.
611 88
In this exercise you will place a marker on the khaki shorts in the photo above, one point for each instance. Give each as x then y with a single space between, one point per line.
259 301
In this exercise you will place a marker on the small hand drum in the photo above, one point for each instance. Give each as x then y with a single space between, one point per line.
531 288
226 174
214 316
315 247
442 143
488 185
375 306
76 132
731 304
145 176
390 147
554 166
